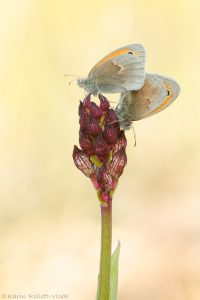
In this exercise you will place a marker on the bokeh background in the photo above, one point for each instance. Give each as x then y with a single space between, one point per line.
49 213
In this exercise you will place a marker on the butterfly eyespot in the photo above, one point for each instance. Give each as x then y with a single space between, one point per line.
168 92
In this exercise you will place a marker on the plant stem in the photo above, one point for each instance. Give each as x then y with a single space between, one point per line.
105 260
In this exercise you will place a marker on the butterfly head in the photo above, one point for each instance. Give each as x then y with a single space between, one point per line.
125 123
88 85
82 82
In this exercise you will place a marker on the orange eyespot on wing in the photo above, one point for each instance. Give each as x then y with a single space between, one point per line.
135 50
172 88
164 104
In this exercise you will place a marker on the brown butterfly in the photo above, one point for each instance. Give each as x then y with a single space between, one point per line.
157 93
120 71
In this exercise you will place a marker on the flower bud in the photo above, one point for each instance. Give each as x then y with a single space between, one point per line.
101 147
121 143
95 111
104 179
84 122
110 134
117 164
104 104
94 127
85 143
87 101
111 118
82 162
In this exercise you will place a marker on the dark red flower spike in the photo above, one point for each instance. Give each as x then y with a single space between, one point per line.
102 156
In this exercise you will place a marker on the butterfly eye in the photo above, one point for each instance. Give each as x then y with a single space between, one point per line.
130 52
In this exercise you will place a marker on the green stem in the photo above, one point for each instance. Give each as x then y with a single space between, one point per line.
106 243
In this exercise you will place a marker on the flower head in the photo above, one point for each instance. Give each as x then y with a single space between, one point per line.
102 156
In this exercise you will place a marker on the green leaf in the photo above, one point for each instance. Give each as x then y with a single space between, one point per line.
114 273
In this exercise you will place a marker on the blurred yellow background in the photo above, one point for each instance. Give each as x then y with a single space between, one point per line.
50 216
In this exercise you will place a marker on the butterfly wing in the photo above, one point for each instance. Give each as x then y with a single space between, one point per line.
172 88
157 93
120 71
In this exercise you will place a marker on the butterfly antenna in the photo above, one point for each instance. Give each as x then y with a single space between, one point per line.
71 81
66 75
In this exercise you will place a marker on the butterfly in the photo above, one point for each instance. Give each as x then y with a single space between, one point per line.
120 71
156 94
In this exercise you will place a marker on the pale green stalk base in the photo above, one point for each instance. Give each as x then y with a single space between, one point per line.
105 261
